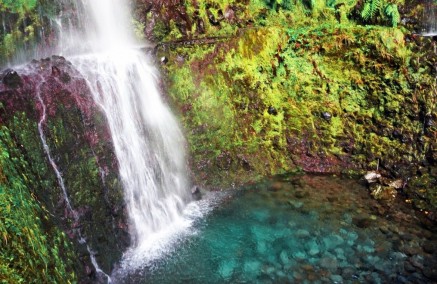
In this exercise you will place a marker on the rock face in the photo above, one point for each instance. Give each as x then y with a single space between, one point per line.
265 88
80 144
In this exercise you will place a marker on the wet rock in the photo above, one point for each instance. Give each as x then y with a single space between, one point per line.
372 177
301 233
313 247
336 278
430 247
412 250
299 255
271 110
301 194
326 116
397 184
339 252
332 241
329 263
348 273
226 269
430 267
362 222
431 273
416 261
295 204
283 256
409 267
164 60
11 78
196 193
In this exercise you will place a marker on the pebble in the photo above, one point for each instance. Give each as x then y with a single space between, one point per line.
283 256
299 255
329 263
409 267
301 194
226 269
416 261
336 278
412 250
348 273
332 241
430 247
301 233
295 204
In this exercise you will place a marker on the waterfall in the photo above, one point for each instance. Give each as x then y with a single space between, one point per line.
147 139
97 37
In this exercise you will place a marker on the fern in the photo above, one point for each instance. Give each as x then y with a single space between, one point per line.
371 7
392 12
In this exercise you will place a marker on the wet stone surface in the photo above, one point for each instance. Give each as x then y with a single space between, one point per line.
302 229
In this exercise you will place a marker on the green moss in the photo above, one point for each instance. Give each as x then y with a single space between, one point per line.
254 103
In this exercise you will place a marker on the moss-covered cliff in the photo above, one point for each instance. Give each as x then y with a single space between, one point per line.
265 87
41 235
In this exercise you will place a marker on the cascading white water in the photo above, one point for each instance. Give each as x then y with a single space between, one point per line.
148 142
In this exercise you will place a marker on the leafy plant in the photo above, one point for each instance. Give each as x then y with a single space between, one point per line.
387 11
370 9
33 250
391 10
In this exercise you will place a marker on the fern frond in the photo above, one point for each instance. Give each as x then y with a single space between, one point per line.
371 7
392 12
366 12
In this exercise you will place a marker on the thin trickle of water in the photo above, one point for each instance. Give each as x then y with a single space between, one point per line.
71 212
50 157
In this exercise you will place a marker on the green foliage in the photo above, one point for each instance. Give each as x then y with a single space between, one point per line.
33 251
370 9
18 6
253 103
382 10
391 10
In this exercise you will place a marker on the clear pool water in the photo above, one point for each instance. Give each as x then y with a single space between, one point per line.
299 229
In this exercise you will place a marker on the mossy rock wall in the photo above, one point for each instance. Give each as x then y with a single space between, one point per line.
79 142
264 88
